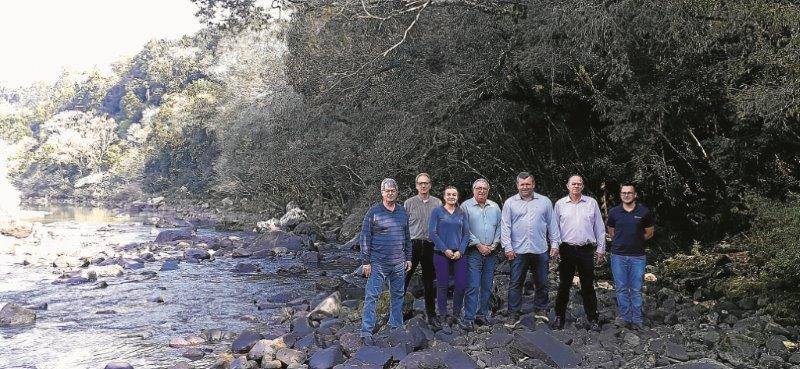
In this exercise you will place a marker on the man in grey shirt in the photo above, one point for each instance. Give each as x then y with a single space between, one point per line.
419 210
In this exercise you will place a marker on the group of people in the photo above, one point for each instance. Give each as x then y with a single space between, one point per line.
465 241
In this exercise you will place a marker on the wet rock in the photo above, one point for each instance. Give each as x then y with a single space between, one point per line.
39 306
327 358
12 315
118 365
246 268
16 229
499 339
180 342
241 253
301 327
263 349
290 357
379 356
329 307
271 364
193 353
292 270
169 265
131 264
180 365
245 342
106 271
312 257
278 238
196 253
541 345
442 356
170 235
242 363
63 261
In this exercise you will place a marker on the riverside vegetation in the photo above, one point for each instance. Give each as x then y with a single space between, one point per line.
695 100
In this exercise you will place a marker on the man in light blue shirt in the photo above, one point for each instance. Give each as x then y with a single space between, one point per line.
527 223
484 226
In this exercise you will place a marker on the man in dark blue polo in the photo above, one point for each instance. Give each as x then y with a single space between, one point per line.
629 224
386 254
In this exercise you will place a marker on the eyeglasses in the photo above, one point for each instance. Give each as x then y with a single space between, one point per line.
481 188
424 183
627 193
389 191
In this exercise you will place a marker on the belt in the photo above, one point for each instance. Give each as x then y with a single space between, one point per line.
586 245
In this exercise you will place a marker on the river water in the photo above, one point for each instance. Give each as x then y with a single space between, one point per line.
86 327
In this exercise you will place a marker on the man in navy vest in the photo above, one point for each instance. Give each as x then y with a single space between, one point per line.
629 224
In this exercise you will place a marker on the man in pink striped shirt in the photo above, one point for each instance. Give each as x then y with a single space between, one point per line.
583 241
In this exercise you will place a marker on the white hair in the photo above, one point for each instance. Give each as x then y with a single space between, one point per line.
388 183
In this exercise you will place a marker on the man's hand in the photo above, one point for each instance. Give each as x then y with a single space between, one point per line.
408 266
367 270
510 255
457 255
600 257
554 252
483 249
449 254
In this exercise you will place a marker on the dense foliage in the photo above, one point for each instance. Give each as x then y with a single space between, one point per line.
698 101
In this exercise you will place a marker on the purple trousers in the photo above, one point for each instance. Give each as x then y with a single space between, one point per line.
460 268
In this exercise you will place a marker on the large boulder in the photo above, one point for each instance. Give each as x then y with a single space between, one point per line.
294 216
245 341
196 253
170 235
14 315
329 307
327 358
541 345
278 238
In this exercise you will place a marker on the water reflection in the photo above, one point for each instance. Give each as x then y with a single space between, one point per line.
87 215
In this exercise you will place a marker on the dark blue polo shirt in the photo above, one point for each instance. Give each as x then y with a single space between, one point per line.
629 229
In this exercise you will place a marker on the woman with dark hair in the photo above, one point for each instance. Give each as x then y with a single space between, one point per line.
449 231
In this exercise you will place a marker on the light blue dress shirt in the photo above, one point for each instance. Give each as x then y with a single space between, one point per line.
526 224
484 222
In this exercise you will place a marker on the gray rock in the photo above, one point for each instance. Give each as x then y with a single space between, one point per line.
498 339
14 315
171 235
289 356
63 261
698 364
770 362
180 365
241 253
263 349
301 327
374 355
245 341
278 238
242 363
118 365
169 265
193 353
246 268
329 307
271 364
327 358
196 253
292 270
541 345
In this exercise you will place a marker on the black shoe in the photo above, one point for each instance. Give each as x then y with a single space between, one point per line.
482 321
433 322
466 326
558 323
512 320
451 320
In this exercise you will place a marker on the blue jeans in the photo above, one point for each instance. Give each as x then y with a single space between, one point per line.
538 265
395 274
481 278
628 274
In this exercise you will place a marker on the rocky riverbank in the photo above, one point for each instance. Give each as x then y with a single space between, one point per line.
318 329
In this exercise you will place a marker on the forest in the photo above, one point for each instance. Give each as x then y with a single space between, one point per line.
316 101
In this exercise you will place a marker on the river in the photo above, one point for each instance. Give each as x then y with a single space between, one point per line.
85 326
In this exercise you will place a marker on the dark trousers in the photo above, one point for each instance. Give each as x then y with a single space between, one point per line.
580 258
538 265
422 253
